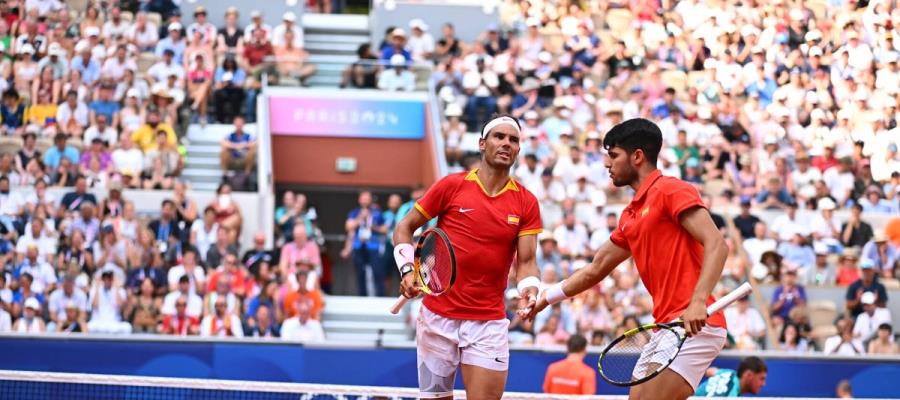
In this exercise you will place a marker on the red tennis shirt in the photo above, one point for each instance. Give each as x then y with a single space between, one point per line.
483 231
667 257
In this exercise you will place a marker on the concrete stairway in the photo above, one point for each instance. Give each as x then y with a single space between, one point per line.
359 319
201 168
331 41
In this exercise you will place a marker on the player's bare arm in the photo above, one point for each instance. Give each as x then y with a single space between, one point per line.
526 247
608 257
403 234
699 224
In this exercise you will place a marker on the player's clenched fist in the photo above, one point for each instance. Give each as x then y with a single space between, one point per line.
527 300
539 306
409 286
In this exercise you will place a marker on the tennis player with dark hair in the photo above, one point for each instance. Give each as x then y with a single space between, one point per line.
749 378
678 253
489 218
571 375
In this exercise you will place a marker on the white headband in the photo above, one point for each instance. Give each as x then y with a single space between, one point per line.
497 122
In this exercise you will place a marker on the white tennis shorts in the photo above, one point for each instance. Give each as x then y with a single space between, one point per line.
696 355
443 343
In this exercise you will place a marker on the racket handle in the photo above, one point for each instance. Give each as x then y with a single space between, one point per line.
729 298
401 301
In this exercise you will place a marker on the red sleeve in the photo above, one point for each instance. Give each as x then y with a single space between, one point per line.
617 237
437 198
681 197
530 223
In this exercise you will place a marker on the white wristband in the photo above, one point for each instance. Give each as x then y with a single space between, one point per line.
555 294
530 281
403 254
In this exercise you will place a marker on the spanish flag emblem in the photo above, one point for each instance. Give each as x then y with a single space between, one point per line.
512 219
645 211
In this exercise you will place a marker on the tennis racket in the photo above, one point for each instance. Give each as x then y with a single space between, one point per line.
434 265
644 352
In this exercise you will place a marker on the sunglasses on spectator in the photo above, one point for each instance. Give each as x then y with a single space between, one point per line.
180 305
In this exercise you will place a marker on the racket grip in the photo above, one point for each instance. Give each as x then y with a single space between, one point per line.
729 298
401 301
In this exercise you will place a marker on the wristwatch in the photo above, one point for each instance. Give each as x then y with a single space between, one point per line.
405 269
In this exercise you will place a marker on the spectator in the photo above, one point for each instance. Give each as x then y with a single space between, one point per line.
221 323
867 283
164 162
787 296
872 317
397 78
105 105
843 343
362 74
30 322
822 272
261 325
189 268
791 341
180 323
204 232
61 299
233 276
107 302
61 149
746 222
303 294
884 343
365 234
259 254
480 85
128 161
172 42
143 34
288 24
43 111
397 46
229 91
421 44
571 375
86 222
184 293
883 253
164 68
146 136
746 325
73 322
228 214
300 250
201 25
797 254
199 84
302 327
238 149
230 38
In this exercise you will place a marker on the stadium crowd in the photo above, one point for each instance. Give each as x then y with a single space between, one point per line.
784 111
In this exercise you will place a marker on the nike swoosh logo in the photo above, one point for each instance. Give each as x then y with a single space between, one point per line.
465 210
497 359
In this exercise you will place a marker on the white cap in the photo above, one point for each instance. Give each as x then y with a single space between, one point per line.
782 112
815 51
531 114
827 204
92 31
398 32
453 110
812 98
53 49
797 14
820 248
770 139
175 26
860 96
866 298
545 57
81 46
814 34
843 114
133 92
748 30
817 114
704 112
891 57
255 14
417 23
27 48
780 95
710 63
289 16
533 21
32 303
398 60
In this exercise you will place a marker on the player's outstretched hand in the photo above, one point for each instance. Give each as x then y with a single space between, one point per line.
539 305
527 300
694 317
409 286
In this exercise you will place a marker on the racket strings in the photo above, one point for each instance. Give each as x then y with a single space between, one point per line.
639 355
435 267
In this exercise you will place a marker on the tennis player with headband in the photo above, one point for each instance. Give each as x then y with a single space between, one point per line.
489 218
677 250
